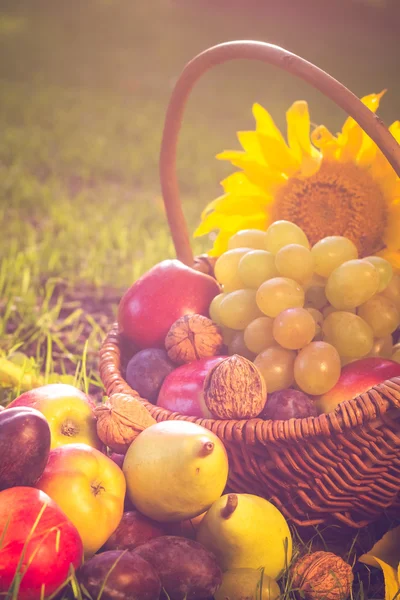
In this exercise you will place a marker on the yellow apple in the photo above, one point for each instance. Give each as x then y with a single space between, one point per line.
89 487
69 413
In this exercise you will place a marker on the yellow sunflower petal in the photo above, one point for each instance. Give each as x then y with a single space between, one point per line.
267 179
221 243
278 155
392 231
392 256
372 102
239 183
325 141
234 204
352 146
265 123
298 124
251 145
367 153
395 130
211 222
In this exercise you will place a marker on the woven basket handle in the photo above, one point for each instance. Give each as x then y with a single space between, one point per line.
278 57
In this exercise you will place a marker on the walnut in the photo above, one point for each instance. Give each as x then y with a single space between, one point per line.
192 337
322 576
120 420
235 389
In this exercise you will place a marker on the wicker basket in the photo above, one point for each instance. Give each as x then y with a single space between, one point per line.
341 467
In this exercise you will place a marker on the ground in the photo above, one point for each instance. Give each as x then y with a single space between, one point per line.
83 93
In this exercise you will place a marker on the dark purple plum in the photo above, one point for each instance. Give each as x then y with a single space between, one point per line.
123 574
147 370
288 404
186 569
24 446
133 530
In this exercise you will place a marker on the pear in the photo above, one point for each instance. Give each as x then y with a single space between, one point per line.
247 584
175 470
247 532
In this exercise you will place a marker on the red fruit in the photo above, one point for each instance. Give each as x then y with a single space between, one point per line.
167 292
34 527
356 378
183 389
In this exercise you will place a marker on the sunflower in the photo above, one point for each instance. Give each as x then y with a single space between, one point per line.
326 184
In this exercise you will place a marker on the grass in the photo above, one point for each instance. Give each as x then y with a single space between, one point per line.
83 93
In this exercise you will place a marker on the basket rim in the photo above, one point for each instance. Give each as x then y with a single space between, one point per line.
364 408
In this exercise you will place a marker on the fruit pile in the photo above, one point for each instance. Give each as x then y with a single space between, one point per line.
152 523
309 320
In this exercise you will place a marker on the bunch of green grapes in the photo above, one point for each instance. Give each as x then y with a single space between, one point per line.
301 313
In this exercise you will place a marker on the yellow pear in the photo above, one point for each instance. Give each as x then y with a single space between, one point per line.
175 470
247 584
246 531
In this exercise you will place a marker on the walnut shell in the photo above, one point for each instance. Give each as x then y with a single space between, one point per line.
120 420
193 337
235 389
322 576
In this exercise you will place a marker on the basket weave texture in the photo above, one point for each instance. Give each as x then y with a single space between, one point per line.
343 466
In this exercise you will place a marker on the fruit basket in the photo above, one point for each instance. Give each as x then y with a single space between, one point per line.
341 467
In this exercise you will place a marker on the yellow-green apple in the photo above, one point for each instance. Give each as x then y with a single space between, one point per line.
89 487
182 390
69 413
154 302
356 378
36 540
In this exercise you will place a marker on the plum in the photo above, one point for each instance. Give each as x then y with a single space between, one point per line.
134 529
186 569
24 446
288 404
123 575
147 370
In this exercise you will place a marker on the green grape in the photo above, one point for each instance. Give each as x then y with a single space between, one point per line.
238 309
248 238
315 297
214 308
317 368
255 267
381 315
226 269
237 346
296 262
227 335
350 334
318 319
331 252
278 294
384 269
382 347
352 284
258 334
327 310
392 290
282 233
294 328
276 366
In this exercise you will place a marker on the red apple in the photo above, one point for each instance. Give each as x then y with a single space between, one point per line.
183 390
38 541
356 378
68 411
154 302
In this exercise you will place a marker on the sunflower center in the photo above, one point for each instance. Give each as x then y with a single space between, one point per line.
341 199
